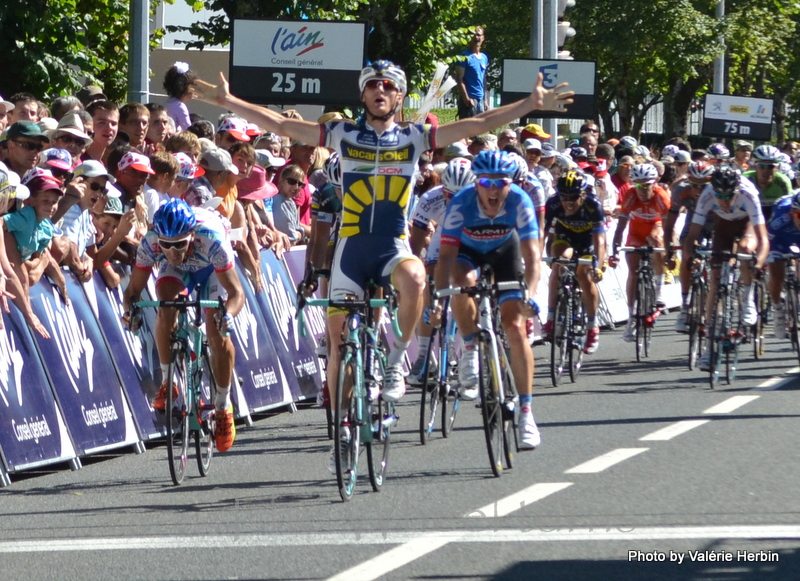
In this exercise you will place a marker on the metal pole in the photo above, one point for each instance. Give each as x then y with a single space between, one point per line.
719 62
139 53
537 14
549 52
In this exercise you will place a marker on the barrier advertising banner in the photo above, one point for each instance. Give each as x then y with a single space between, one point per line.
257 362
83 375
135 355
297 354
32 430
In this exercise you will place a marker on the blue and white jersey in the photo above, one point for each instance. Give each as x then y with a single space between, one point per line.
211 246
466 223
781 229
377 173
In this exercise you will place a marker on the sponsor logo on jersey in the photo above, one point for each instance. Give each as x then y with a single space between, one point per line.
404 154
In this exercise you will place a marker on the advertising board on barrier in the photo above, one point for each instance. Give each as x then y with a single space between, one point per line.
257 363
135 355
297 354
83 375
32 430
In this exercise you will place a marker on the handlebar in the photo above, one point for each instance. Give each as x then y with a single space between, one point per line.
390 303
479 289
642 249
572 261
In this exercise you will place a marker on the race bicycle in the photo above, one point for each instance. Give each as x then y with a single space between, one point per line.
646 310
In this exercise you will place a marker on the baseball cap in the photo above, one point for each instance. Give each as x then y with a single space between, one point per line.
57 158
7 105
743 145
26 129
10 179
457 149
137 161
201 193
669 150
628 141
532 143
534 130
253 130
548 150
42 181
93 169
682 156
71 123
218 160
256 186
90 93
113 207
236 127
187 169
265 159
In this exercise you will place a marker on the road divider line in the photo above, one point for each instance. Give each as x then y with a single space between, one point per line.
731 404
391 560
673 430
518 500
606 461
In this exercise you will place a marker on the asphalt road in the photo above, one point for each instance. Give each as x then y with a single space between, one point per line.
644 473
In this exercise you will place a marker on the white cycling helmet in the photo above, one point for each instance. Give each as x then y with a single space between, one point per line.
383 69
522 167
767 153
458 175
644 173
628 141
700 172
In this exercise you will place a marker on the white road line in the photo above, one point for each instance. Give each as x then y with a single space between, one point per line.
391 560
605 461
731 404
518 500
410 539
673 430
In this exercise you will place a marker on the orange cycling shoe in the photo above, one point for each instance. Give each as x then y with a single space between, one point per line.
160 402
225 432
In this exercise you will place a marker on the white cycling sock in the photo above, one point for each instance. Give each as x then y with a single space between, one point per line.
396 355
223 398
164 371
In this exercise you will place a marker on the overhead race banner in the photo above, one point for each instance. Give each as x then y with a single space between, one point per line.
297 61
519 77
737 117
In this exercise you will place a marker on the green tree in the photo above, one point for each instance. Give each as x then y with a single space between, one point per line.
53 47
413 33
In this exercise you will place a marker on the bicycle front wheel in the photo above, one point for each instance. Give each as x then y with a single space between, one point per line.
577 339
204 410
791 314
449 374
558 344
382 420
490 406
695 316
762 305
346 431
509 406
177 415
641 314
717 332
431 393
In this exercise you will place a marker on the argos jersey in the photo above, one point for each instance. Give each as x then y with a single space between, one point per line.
211 246
465 223
377 173
746 205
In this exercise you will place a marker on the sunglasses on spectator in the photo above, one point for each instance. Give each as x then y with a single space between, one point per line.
181 244
494 183
29 145
293 182
66 138
62 174
385 83
95 187
766 166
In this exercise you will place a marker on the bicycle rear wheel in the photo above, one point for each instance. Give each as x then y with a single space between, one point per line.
204 410
558 343
577 340
346 431
431 392
490 406
177 416
792 314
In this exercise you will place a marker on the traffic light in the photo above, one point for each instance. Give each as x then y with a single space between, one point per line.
563 29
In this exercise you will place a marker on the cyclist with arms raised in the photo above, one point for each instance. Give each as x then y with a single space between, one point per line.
738 215
575 225
191 248
378 156
494 223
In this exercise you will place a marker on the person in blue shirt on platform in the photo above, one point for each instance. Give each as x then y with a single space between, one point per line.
783 229
471 78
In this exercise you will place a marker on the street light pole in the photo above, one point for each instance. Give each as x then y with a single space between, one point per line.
139 53
719 62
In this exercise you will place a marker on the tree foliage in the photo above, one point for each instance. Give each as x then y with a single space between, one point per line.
53 47
413 33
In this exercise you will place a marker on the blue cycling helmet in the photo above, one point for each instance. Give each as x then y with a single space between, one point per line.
494 162
174 219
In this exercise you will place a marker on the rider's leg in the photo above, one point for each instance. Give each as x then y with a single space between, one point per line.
408 278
